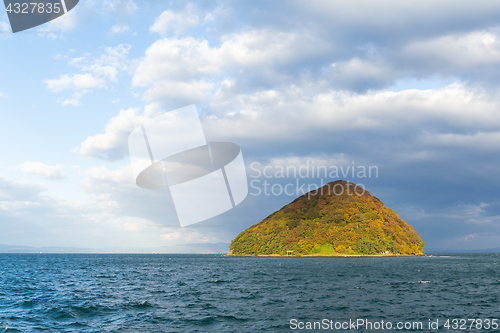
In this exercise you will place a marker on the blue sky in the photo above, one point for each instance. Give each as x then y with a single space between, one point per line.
409 87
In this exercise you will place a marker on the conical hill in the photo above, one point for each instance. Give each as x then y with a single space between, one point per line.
340 218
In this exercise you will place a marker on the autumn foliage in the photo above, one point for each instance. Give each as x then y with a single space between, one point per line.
325 223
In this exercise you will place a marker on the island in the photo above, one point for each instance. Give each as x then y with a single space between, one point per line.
338 219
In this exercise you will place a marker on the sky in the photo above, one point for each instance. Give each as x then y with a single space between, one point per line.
410 89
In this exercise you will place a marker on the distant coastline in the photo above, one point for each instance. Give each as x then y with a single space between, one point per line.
194 248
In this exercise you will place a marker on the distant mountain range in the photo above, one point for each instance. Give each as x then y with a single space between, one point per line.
184 248
493 250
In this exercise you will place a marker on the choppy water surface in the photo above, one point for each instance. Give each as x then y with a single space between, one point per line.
212 293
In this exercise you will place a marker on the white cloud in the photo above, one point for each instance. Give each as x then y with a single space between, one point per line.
40 169
20 191
301 161
392 20
25 211
302 114
276 52
2 95
123 7
75 82
115 57
96 73
459 51
188 58
175 21
154 208
172 235
479 141
118 29
112 145
179 93
104 72
173 70
13 206
74 100
120 8
4 28
122 175
187 236
108 65
265 47
175 60
357 73
186 66
295 113
62 24
468 213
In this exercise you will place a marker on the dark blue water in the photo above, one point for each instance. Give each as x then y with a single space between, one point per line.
212 293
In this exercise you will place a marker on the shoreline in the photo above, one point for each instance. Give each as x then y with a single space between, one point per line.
330 256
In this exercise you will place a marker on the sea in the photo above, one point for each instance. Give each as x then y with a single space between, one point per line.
215 293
